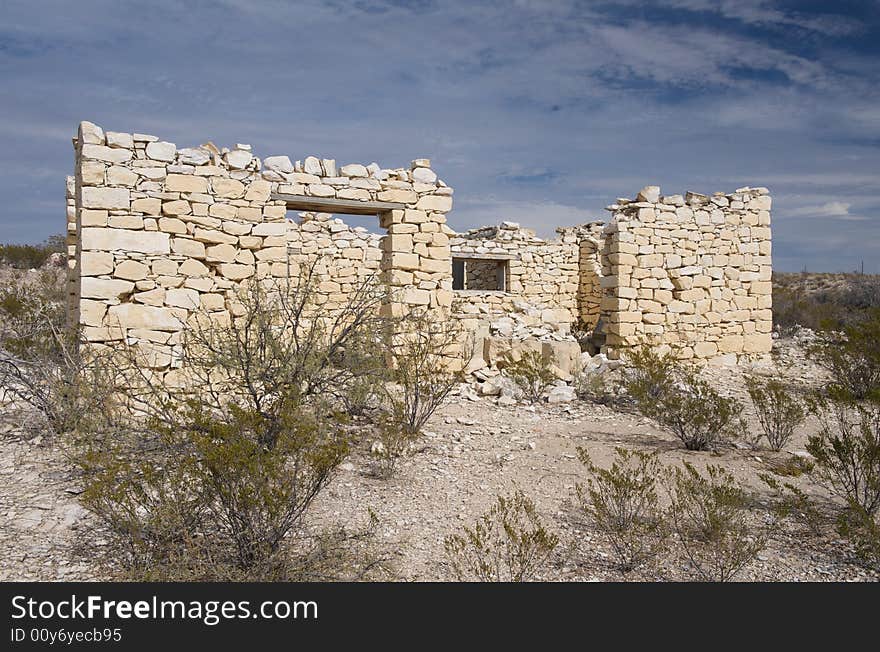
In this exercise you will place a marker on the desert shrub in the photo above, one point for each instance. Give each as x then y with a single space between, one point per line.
531 372
393 443
623 502
41 365
509 543
429 354
648 375
365 357
863 531
792 502
847 452
29 256
853 359
846 300
215 483
710 515
593 387
695 413
779 413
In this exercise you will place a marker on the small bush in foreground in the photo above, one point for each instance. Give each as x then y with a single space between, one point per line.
623 502
647 375
509 543
847 452
779 413
531 373
710 515
853 359
695 413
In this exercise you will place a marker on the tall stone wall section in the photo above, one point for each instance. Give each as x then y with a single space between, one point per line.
162 233
689 274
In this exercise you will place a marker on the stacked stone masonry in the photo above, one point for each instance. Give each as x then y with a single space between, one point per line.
690 274
158 234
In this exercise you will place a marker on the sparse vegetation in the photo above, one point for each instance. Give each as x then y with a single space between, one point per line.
217 486
677 398
509 543
428 356
623 502
710 515
532 374
29 256
853 358
823 301
779 412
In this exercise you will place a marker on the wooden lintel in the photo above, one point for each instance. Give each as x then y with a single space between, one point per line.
332 205
474 256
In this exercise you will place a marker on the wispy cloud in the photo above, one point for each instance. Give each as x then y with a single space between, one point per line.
538 111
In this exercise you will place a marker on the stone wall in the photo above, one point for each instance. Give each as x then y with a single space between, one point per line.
162 233
157 234
690 274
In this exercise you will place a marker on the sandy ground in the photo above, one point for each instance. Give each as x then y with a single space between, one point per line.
472 451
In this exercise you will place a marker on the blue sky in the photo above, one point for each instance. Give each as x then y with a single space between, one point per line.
536 111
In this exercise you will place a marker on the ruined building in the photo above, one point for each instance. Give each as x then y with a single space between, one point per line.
156 233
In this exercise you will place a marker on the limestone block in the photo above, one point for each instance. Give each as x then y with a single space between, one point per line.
238 159
270 229
228 188
280 164
270 254
145 242
401 196
131 270
148 206
96 264
193 267
91 313
221 253
258 191
90 133
172 225
213 236
187 247
136 315
321 190
236 272
186 183
126 222
161 151
108 198
164 267
424 175
416 297
182 298
108 154
438 203
104 288
353 170
176 208
92 173
121 176
194 156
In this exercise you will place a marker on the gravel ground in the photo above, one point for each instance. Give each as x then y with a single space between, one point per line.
472 451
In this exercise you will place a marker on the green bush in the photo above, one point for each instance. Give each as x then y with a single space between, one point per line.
694 412
509 543
31 256
429 355
710 515
648 375
532 374
779 413
847 452
623 502
216 483
853 359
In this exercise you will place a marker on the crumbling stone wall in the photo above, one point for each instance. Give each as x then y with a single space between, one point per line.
690 274
157 234
163 233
